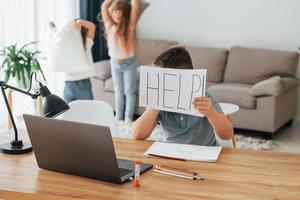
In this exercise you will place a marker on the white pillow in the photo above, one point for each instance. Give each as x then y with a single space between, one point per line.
143 5
65 52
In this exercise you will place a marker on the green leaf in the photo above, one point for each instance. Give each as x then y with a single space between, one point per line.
13 71
19 63
43 75
17 67
26 46
23 77
7 76
5 61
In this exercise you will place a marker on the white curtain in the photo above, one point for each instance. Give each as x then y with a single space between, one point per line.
24 21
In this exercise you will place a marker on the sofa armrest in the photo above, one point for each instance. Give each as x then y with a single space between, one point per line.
288 82
273 86
102 69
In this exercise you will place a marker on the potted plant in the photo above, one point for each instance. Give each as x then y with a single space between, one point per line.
20 63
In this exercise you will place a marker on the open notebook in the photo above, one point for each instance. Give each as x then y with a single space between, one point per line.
184 152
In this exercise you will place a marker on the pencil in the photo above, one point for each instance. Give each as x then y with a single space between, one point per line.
174 174
172 169
187 176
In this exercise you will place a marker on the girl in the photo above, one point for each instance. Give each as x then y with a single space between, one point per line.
120 18
77 81
78 84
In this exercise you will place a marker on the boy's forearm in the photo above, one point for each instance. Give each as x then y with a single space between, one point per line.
144 125
221 125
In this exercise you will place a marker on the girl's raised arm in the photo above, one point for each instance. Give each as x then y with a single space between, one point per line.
90 26
134 14
107 20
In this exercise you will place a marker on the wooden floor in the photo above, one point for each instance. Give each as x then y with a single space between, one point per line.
287 138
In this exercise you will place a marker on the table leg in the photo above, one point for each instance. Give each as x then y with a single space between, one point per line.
39 106
10 99
10 102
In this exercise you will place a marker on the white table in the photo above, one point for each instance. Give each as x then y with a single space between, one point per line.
228 110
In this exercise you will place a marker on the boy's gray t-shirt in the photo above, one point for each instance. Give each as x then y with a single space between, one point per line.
188 129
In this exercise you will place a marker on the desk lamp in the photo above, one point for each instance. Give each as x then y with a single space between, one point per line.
52 107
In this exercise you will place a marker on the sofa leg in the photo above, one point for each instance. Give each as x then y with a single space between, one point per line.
267 136
290 123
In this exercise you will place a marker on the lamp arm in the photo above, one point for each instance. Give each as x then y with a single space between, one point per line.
9 111
5 86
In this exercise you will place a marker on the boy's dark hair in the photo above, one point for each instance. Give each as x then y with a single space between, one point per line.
176 57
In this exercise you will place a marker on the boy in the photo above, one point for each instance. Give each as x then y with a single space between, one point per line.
183 128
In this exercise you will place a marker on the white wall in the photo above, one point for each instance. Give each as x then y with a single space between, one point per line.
271 24
26 21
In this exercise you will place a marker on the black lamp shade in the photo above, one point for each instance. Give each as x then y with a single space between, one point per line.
54 106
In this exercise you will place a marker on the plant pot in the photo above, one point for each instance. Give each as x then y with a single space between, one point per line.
19 83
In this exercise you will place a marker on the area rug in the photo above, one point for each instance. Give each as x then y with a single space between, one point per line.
247 142
242 142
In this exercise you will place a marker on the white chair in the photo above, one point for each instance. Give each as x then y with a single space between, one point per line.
225 143
92 112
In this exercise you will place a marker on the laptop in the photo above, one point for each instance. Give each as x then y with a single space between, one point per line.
79 149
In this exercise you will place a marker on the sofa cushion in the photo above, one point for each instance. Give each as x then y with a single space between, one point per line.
235 93
288 83
109 85
102 69
268 87
249 65
147 50
209 84
273 86
212 59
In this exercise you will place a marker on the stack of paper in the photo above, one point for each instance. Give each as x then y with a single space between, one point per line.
184 151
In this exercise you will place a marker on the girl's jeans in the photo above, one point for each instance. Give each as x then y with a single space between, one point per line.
124 75
78 90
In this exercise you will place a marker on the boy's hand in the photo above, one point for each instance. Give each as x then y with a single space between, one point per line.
204 105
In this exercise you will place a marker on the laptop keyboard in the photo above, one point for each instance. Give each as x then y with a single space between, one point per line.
123 171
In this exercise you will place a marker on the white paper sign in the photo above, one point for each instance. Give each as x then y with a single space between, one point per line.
171 89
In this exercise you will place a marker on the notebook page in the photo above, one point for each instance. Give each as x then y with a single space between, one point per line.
185 151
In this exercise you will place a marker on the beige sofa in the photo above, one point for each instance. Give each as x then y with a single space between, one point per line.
262 82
